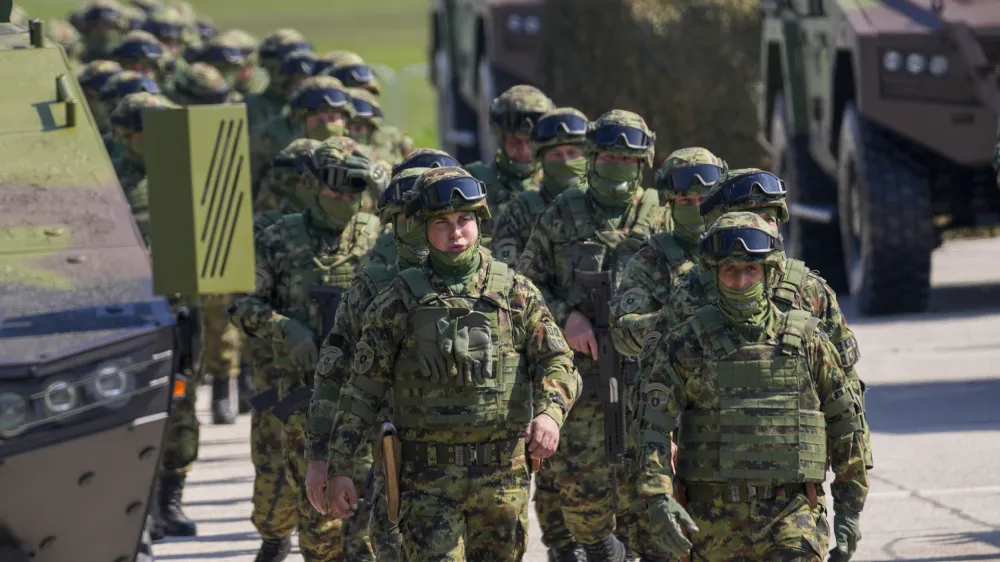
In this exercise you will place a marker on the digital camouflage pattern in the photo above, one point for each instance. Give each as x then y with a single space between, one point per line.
686 379
199 84
492 499
513 224
657 268
220 340
286 184
264 106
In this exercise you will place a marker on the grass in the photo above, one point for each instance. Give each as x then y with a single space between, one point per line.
393 33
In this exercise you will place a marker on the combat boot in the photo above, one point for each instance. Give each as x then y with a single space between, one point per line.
274 550
608 550
246 390
172 521
153 516
570 553
222 408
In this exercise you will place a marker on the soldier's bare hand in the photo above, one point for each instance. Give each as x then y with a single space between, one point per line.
341 496
579 334
316 484
542 437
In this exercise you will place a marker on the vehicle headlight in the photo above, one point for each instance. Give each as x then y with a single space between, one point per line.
532 25
60 397
514 23
111 383
14 413
916 63
892 61
938 65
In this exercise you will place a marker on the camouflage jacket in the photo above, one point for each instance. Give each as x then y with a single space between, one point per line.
278 133
512 226
683 377
384 250
389 144
261 109
500 191
650 276
133 180
292 255
574 234
387 333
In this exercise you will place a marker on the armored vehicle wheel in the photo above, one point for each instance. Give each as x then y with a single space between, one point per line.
813 242
885 219
457 133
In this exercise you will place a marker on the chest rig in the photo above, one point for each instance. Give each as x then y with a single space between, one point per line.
764 423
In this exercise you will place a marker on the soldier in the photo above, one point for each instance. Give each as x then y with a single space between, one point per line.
479 376
425 158
367 127
135 17
660 264
750 477
62 32
409 249
352 72
277 45
319 109
113 91
102 24
286 186
594 230
302 260
251 78
229 56
557 142
141 52
286 77
148 6
513 170
199 84
206 29
92 77
167 25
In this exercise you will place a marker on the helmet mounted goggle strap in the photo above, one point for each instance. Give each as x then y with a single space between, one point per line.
743 188
357 74
314 100
620 136
395 193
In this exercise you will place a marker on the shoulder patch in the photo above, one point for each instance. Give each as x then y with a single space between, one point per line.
633 299
649 345
328 359
556 339
364 356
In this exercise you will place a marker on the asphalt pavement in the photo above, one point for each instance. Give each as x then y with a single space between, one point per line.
933 405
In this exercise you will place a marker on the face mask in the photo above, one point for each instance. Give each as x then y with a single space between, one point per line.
302 194
566 173
515 168
325 130
615 180
747 306
411 244
339 210
688 221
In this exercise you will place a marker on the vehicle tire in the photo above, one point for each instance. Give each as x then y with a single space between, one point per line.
454 115
885 220
815 243
486 92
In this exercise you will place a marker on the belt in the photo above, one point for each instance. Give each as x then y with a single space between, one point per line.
738 493
493 453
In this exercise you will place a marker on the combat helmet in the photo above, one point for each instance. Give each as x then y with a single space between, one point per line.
290 176
741 237
560 126
140 51
167 25
367 112
317 94
745 189
621 132
517 110
277 45
200 84
122 84
689 171
126 120
95 74
244 40
206 28
148 6
339 167
447 190
135 17
326 61
352 72
225 54
393 198
293 70
425 158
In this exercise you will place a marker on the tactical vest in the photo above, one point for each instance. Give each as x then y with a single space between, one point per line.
767 426
503 399
384 250
677 260
377 277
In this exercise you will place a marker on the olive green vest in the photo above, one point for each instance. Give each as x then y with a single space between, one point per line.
678 261
767 426
503 399
534 202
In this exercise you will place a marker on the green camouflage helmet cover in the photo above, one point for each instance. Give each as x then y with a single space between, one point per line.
520 98
100 8
623 118
318 83
96 68
246 42
201 83
757 202
418 153
343 59
108 96
227 44
143 38
274 43
283 81
185 9
362 94
134 15
148 6
126 117
562 138
421 194
391 203
774 259
289 178
690 156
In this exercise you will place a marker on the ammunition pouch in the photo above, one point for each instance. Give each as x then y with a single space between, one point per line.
738 493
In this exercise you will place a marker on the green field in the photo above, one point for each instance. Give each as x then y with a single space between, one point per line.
393 33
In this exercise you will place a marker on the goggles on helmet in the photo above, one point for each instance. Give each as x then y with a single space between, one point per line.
133 50
218 54
684 178
609 136
164 30
209 97
364 109
548 128
446 193
426 161
206 30
313 100
97 81
102 15
122 89
133 119
742 188
752 241
337 177
516 120
394 193
355 74
304 65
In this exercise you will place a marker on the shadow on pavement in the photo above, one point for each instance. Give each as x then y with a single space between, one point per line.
220 481
221 537
231 458
224 554
934 406
991 538
947 302
224 501
209 442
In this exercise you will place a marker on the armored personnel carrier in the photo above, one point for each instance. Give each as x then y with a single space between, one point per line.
88 351
882 117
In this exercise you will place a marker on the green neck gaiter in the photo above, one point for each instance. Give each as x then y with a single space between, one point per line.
335 214
456 269
615 181
411 243
612 208
513 168
562 175
688 224
748 306
325 130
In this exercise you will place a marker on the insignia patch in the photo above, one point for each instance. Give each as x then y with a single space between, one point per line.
556 339
364 356
649 345
506 253
632 300
328 359
655 394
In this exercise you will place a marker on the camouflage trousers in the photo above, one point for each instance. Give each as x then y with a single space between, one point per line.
580 475
781 529
180 445
275 514
456 513
220 339
386 540
548 506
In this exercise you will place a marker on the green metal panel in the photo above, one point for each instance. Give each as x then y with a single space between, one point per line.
198 166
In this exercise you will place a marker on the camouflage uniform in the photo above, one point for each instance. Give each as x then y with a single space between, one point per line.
373 278
599 229
167 25
295 257
102 23
230 57
199 84
286 77
386 142
141 52
251 78
285 184
755 493
319 94
514 224
480 496
514 112
92 77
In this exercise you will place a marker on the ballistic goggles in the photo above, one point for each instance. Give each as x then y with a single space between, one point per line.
753 242
684 178
743 188
553 126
